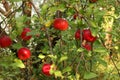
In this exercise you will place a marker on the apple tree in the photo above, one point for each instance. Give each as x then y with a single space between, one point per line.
59 40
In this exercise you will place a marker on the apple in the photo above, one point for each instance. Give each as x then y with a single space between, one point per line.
93 1
5 41
87 46
24 34
77 34
60 24
23 53
46 69
87 35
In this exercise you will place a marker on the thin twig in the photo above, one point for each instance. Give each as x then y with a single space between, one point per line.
2 11
6 5
49 41
115 65
46 30
36 10
10 14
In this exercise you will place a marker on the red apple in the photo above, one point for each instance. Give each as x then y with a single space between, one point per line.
5 41
46 69
60 24
93 1
24 53
24 34
87 35
77 34
87 46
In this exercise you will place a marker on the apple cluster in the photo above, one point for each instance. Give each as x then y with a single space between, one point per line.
59 24
23 53
86 36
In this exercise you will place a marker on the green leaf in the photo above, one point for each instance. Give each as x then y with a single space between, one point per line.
33 32
102 62
41 56
53 56
14 34
14 0
58 73
17 46
100 49
63 58
18 63
77 76
1 78
80 50
67 69
89 75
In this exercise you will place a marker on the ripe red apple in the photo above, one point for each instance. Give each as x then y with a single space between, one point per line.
93 1
60 24
87 46
24 53
46 69
5 41
87 35
24 34
77 34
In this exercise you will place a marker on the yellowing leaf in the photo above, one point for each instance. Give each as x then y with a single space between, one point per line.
63 58
41 56
58 74
19 63
48 23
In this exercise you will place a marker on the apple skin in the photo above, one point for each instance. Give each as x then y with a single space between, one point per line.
5 41
60 24
46 69
93 1
24 34
87 46
23 53
87 35
77 34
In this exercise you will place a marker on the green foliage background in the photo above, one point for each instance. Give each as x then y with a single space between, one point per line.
72 62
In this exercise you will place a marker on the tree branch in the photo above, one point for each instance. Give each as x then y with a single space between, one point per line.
6 5
115 65
36 10
2 11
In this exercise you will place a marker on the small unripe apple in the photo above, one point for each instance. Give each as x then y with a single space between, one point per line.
60 24
93 1
24 34
87 35
5 41
46 69
24 53
77 34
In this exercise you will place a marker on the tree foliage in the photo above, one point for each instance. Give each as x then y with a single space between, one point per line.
70 60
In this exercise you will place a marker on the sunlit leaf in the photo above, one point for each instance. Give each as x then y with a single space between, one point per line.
67 69
41 56
18 63
80 50
63 58
89 75
58 73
